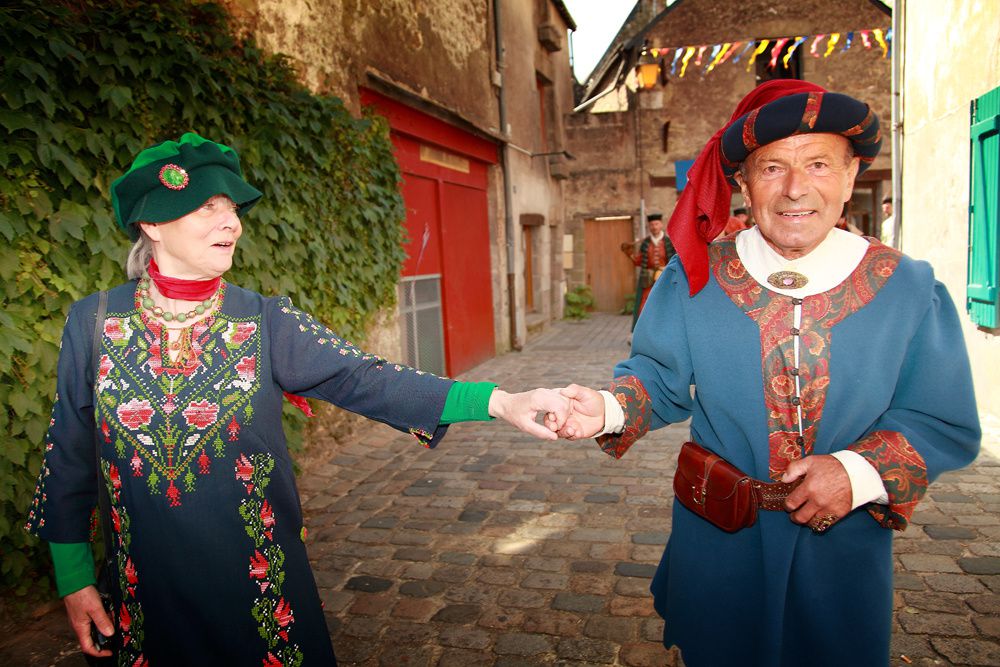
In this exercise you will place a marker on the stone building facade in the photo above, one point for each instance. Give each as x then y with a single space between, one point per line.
628 142
475 92
951 56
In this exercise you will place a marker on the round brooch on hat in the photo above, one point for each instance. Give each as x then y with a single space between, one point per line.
174 177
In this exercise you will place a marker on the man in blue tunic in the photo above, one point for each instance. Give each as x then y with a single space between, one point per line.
829 367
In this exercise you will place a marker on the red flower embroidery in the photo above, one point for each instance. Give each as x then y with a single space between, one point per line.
246 368
244 471
272 661
116 482
169 406
124 618
242 332
136 465
116 521
103 368
201 414
203 463
155 360
135 413
283 615
113 329
105 430
267 518
173 495
234 430
258 569
130 575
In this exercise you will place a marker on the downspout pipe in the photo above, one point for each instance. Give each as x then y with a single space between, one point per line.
898 20
508 188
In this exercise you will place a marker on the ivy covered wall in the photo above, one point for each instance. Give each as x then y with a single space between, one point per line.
87 84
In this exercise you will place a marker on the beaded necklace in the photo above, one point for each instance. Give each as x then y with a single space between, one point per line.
146 301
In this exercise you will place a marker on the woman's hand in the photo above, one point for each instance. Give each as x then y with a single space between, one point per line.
587 417
521 410
84 608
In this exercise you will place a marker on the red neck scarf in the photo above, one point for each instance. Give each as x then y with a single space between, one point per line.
702 210
178 288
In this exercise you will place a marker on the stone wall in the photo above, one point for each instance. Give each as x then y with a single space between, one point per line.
606 178
441 57
952 56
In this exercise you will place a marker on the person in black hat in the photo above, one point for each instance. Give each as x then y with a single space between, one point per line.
737 222
181 386
651 257
831 386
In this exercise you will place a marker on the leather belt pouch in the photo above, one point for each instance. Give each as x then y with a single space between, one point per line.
714 489
721 493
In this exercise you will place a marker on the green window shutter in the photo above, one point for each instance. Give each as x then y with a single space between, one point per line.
982 300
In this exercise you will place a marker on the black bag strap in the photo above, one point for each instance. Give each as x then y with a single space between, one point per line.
103 501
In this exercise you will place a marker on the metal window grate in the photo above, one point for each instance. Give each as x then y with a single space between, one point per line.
421 322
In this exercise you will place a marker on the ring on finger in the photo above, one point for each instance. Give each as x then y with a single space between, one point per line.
820 524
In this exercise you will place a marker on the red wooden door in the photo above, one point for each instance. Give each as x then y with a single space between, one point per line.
467 285
447 219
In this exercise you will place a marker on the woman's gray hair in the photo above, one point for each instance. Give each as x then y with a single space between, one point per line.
139 256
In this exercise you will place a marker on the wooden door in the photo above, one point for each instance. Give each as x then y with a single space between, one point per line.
527 250
610 274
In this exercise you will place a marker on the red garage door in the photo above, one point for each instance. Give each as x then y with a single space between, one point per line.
446 297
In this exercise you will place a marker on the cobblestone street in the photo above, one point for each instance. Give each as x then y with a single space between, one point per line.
496 549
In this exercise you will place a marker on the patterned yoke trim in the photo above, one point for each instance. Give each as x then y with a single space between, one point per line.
903 473
634 400
774 315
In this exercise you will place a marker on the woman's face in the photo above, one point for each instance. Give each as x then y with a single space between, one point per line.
199 245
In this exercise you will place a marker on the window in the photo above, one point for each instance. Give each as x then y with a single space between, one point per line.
420 318
984 187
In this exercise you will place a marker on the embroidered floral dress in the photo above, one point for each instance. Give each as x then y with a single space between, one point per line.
876 365
211 561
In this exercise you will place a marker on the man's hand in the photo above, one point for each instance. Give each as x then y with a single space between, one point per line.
520 410
587 417
823 497
83 609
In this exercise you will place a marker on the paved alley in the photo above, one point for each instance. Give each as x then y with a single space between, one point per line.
499 550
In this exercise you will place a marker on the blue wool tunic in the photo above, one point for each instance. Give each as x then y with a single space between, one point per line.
887 364
211 558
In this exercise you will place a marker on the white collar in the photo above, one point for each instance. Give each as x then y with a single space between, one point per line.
657 238
828 265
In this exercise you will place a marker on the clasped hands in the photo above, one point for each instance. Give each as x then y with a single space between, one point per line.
575 412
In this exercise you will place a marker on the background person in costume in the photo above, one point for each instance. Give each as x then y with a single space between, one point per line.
737 222
186 399
818 357
652 255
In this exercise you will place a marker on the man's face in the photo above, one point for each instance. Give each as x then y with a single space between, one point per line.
796 188
887 208
655 227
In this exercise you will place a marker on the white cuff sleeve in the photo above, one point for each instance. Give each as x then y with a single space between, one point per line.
866 485
614 416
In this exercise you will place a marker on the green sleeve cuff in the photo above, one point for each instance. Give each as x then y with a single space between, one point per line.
467 402
74 566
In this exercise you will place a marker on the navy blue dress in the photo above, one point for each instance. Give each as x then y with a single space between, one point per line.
210 543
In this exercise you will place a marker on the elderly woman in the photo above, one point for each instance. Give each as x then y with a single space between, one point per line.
185 401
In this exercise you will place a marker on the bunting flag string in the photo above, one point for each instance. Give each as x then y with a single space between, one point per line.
709 57
776 51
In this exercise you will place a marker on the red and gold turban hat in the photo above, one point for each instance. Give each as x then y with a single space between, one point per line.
773 110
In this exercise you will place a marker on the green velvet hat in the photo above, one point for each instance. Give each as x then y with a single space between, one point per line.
171 179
